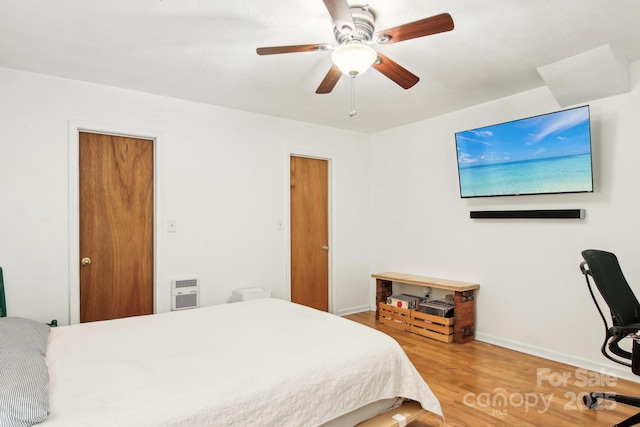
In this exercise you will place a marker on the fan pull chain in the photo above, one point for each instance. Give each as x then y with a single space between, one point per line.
353 96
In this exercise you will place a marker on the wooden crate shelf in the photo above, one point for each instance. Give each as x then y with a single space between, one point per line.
464 311
427 325
395 316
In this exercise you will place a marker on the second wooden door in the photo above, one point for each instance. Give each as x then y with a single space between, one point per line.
309 232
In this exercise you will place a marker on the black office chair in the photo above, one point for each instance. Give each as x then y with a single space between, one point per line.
3 303
605 271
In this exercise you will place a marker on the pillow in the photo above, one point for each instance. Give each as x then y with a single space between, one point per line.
18 335
24 378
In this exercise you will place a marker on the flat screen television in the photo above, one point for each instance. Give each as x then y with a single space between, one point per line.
545 154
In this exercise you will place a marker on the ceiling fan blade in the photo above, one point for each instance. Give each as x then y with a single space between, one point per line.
329 81
340 13
395 72
273 50
424 27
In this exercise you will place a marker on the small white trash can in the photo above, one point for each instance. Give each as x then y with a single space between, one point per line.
244 294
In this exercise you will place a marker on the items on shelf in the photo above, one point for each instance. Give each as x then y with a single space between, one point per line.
410 302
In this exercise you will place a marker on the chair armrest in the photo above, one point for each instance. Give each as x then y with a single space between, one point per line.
630 328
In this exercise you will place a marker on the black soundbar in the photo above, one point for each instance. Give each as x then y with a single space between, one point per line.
538 213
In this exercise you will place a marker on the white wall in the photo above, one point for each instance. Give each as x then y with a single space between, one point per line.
532 296
222 174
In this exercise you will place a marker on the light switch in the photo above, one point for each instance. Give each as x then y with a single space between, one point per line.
171 226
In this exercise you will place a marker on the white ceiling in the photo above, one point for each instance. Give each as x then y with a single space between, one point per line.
205 51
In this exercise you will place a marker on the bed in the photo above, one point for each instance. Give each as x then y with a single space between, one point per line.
258 362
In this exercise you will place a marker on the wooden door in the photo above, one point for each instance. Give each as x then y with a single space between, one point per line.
309 232
116 226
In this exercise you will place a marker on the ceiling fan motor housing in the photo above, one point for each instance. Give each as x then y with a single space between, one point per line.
364 22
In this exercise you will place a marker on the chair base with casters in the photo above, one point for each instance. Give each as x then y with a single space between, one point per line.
591 402
605 272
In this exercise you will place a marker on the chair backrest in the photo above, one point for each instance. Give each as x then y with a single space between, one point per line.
3 303
608 277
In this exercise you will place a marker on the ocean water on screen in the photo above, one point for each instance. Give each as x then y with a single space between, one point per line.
552 175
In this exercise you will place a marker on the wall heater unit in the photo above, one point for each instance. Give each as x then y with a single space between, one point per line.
185 293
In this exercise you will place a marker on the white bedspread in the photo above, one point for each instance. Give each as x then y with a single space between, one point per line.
264 362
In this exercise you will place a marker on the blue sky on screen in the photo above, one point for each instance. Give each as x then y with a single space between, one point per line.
564 133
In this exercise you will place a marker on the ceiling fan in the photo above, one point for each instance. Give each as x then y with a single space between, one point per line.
354 30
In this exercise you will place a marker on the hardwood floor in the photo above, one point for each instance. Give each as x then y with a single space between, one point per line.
479 384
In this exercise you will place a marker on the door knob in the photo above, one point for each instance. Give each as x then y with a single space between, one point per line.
325 248
86 261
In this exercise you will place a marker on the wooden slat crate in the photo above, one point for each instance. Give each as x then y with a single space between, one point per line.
428 325
394 316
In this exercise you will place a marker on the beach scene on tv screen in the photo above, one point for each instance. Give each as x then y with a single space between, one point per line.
543 154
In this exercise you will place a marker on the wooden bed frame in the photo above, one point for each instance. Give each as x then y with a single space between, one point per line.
408 412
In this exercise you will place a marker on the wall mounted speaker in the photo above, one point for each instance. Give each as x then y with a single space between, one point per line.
537 213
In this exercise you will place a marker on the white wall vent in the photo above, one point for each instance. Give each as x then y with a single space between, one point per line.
185 293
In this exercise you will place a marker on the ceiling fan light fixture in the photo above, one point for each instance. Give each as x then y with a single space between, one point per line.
354 59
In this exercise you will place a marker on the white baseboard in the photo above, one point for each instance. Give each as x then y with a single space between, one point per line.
354 310
596 366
